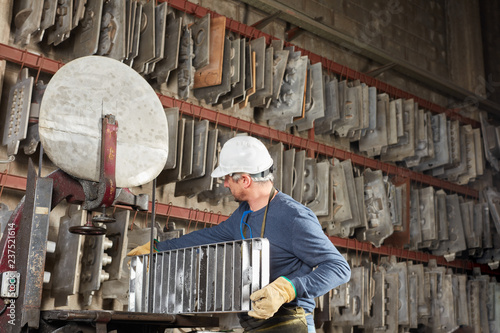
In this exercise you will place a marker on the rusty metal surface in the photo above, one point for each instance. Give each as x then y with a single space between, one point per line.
211 74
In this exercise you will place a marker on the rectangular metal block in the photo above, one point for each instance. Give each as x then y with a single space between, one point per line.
287 171
210 278
185 74
188 150
325 125
172 54
87 34
375 140
406 144
261 96
237 88
172 115
348 227
173 175
211 74
298 184
316 108
490 143
201 36
392 124
60 31
441 149
309 180
427 217
320 203
376 317
350 111
113 33
341 208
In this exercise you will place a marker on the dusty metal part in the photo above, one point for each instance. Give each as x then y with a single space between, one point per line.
218 190
200 31
259 47
423 296
353 313
441 149
47 20
491 148
365 110
339 208
202 183
320 203
235 61
421 139
261 96
117 233
249 76
376 317
401 269
160 37
287 171
459 286
87 33
66 273
442 218
391 200
392 124
412 298
280 60
452 174
27 20
200 139
316 109
428 222
290 101
210 278
173 53
172 115
392 301
131 8
359 183
473 288
238 88
113 30
470 159
379 220
324 125
185 74
454 143
173 175
211 93
135 32
406 144
92 272
349 111
375 140
188 150
211 74
480 166
298 175
473 224
276 152
18 111
309 180
487 237
348 227
60 31
78 12
398 103
146 38
493 198
456 242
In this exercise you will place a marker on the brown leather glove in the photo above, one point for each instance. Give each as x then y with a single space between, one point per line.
266 301
143 249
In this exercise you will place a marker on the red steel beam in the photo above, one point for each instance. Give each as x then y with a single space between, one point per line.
43 64
331 66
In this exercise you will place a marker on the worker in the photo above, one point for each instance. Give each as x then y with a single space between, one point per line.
304 263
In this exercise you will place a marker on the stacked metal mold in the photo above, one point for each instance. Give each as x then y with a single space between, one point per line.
399 296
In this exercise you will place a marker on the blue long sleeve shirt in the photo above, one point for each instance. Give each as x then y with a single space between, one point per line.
297 245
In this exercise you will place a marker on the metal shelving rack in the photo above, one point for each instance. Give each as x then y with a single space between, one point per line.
50 66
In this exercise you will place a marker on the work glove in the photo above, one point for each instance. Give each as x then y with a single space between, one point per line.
266 301
143 249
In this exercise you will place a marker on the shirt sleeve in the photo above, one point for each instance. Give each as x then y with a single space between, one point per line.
311 245
219 233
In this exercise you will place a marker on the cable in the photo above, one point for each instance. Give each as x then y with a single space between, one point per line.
9 160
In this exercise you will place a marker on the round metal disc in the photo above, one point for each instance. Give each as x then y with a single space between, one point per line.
87 230
76 99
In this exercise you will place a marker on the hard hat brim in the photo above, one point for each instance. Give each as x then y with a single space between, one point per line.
218 172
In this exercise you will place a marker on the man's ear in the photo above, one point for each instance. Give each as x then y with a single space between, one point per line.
247 180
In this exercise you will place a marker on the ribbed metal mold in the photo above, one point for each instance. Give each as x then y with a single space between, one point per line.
211 278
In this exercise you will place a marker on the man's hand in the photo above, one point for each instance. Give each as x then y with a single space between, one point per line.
266 301
143 249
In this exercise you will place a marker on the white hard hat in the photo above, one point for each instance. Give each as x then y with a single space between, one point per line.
243 154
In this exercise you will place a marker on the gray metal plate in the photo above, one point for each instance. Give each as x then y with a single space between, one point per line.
406 144
185 74
211 93
324 125
18 110
348 226
309 180
173 175
276 152
259 47
78 12
117 233
135 33
238 88
27 20
316 109
171 53
298 175
279 66
321 201
146 37
63 23
201 37
374 140
203 183
113 30
200 140
160 36
287 171
441 151
87 34
48 19
187 150
262 95
428 223
173 125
